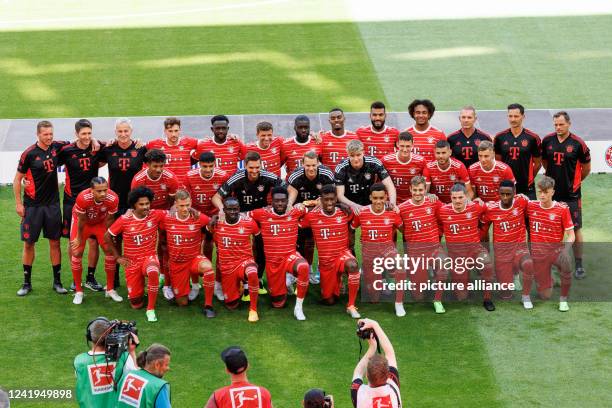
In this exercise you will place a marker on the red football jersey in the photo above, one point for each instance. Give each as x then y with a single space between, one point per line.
96 212
202 190
178 157
376 228
184 237
292 152
166 185
279 232
227 154
331 232
461 226
486 183
421 221
442 180
402 173
334 147
243 395
139 234
425 141
233 242
548 224
378 144
270 157
508 223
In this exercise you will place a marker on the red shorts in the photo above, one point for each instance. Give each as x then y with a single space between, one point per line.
232 278
135 274
180 274
542 268
275 273
427 252
508 257
331 271
461 253
89 230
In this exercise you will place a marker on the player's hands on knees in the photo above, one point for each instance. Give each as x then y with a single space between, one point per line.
20 209
123 261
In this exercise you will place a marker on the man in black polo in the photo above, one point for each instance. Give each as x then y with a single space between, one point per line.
464 142
521 149
567 159
251 187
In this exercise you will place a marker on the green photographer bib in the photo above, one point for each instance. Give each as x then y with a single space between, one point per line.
94 386
139 389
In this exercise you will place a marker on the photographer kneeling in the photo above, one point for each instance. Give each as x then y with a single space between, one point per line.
383 388
99 370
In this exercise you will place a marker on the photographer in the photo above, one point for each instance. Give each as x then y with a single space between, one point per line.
98 373
316 398
383 385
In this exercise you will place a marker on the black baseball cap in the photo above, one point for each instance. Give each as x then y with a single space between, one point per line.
314 398
235 360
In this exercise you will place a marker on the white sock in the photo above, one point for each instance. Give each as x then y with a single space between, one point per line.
298 302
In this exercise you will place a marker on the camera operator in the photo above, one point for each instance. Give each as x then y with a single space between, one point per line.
316 398
383 385
98 374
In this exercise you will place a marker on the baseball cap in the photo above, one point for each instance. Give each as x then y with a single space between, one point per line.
314 398
235 360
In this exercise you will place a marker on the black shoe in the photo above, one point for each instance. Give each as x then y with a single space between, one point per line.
73 287
209 312
25 289
487 304
580 273
58 288
92 284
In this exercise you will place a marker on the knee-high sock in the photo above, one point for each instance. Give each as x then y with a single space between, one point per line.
77 271
528 271
487 275
303 271
208 281
253 279
566 281
400 276
152 285
109 268
353 287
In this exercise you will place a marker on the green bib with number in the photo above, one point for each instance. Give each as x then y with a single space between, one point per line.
139 389
95 387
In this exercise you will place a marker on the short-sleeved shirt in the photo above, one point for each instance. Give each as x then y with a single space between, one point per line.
378 144
388 395
548 224
357 182
227 154
402 173
123 164
461 227
250 194
81 165
376 227
178 157
465 149
564 164
95 212
424 143
310 189
508 223
270 157
293 151
233 242
330 232
184 237
163 187
202 189
279 232
334 147
139 234
421 221
443 180
519 152
40 169
486 182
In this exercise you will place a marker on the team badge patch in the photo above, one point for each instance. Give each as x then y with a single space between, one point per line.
428 211
452 177
496 179
382 402
162 186
367 176
569 149
319 186
191 227
241 230
134 153
101 377
274 150
551 217
260 188
338 220
524 143
132 390
149 224
477 142
230 149
468 215
386 139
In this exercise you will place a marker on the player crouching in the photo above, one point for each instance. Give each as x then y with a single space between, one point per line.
183 228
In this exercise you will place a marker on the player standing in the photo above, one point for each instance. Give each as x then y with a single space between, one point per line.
403 165
378 225
334 141
444 172
552 235
464 142
330 227
424 133
521 149
93 213
139 229
567 159
487 173
184 236
293 149
268 147
228 151
176 147
40 207
378 139
232 237
279 229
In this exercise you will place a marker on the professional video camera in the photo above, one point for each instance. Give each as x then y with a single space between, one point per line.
117 340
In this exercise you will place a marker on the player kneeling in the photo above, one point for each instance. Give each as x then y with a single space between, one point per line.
232 236
92 214
184 237
330 227
279 229
549 223
139 228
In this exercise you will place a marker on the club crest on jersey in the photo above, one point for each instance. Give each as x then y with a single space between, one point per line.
428 211
260 188
230 149
386 221
191 227
216 186
102 208
338 220
134 153
569 149
101 377
412 171
524 143
274 150
181 148
386 139
319 186
468 215
289 218
452 177
495 179
241 230
515 212
149 224
477 142
367 176
132 390
162 186
551 217
430 140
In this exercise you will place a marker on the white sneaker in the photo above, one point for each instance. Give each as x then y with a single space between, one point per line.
114 295
194 292
219 292
299 313
399 310
168 293
315 277
527 303
289 282
78 298
353 312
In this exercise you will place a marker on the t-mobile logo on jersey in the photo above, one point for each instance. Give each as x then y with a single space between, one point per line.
454 228
247 199
333 156
505 226
200 197
354 188
439 189
325 233
483 190
138 239
178 239
467 152
84 163
536 226
514 153
558 158
416 225
372 150
274 228
218 162
227 241
373 234
123 163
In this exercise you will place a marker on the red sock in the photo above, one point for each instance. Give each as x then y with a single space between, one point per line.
77 272
487 275
527 270
400 276
566 282
208 281
303 272
109 268
251 273
152 286
353 287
